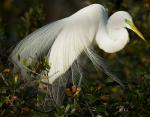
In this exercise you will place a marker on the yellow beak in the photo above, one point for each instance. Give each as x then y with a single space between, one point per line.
133 28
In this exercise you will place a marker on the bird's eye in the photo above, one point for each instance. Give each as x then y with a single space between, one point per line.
126 20
129 22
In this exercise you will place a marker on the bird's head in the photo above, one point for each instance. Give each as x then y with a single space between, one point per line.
130 25
123 19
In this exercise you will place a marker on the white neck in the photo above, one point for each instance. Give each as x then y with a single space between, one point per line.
109 38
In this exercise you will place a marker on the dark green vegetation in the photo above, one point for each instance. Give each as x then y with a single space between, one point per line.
104 97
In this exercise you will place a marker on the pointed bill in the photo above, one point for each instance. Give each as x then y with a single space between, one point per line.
133 28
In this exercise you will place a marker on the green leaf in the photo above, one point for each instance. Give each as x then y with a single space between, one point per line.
1 104
67 108
24 62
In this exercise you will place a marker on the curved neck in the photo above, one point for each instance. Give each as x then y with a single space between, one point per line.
111 39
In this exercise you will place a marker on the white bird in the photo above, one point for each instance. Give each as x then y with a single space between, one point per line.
63 41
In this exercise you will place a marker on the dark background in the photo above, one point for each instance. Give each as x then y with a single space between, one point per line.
19 18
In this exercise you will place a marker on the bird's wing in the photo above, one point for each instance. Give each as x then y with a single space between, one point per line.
37 43
77 34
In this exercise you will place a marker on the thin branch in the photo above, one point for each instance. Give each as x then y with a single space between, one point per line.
4 79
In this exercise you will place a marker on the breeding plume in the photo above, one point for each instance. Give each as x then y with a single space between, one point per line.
63 41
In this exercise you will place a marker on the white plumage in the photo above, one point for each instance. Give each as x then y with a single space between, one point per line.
63 41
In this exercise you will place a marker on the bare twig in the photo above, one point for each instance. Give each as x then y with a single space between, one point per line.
38 73
6 83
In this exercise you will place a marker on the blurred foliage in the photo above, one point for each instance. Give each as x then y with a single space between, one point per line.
102 98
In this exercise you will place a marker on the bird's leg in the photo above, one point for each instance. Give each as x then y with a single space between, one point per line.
72 76
76 89
80 80
81 90
80 72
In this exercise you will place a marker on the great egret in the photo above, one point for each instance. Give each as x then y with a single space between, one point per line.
63 41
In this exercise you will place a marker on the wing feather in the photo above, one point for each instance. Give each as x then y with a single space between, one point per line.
37 43
70 43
